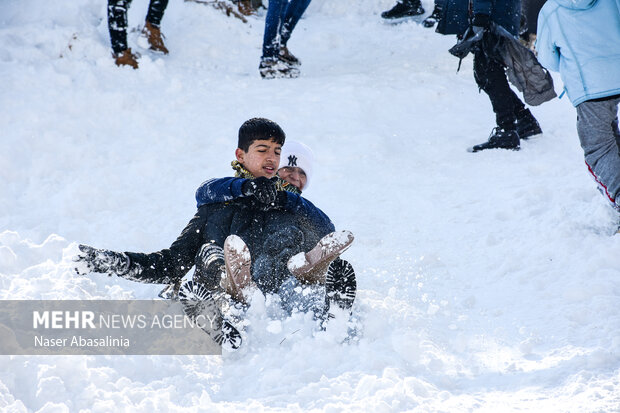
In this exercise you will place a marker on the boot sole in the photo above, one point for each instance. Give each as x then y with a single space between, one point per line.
399 20
472 150
340 284
280 75
197 300
534 136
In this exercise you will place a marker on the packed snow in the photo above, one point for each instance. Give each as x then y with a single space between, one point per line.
486 282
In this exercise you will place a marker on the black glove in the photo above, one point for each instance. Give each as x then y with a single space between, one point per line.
281 199
263 189
103 261
469 41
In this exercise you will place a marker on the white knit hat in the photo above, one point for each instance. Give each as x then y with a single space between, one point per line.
299 155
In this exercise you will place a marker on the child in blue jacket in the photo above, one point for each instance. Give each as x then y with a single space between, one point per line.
581 40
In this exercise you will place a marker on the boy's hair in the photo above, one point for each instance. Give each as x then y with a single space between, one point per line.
259 129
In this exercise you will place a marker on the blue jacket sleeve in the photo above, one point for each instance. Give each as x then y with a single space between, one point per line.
298 205
548 52
218 190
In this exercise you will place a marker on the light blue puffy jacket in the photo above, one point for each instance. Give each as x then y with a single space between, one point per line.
581 40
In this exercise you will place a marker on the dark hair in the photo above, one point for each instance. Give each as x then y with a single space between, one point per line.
259 129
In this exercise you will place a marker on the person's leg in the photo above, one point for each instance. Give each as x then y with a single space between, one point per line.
597 127
491 77
151 26
295 296
271 46
156 11
117 24
292 14
238 264
527 125
269 266
271 64
616 129
210 266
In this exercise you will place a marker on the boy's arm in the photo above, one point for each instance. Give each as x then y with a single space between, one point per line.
162 267
299 205
170 264
218 190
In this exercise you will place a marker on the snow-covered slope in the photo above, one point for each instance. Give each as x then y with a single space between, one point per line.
487 282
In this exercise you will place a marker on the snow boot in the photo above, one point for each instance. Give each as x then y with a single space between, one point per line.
238 264
431 20
272 68
527 125
289 57
500 138
154 37
197 300
403 10
312 265
210 265
126 58
340 284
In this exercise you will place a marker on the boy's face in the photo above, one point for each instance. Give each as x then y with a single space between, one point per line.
294 175
261 159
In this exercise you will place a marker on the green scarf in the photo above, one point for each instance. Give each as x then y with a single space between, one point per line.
281 184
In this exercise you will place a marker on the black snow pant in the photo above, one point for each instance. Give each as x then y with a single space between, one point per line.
117 20
490 76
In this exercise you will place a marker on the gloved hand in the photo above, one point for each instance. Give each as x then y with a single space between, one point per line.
480 22
263 189
470 40
104 261
282 199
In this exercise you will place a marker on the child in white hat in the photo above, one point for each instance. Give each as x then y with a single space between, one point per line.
296 162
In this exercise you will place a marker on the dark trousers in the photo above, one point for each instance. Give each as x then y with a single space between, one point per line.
282 17
491 77
117 20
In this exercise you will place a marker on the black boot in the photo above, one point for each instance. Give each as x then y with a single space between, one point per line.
431 20
500 138
209 271
198 301
527 125
340 284
403 10
210 266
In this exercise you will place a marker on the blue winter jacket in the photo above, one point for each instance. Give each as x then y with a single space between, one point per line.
581 40
456 14
220 190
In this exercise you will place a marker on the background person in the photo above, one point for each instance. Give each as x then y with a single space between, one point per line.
117 26
588 59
